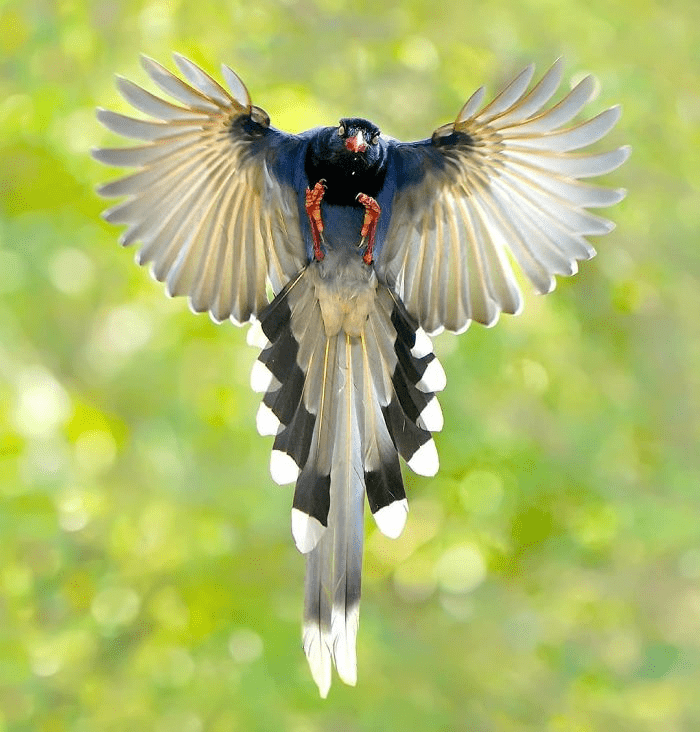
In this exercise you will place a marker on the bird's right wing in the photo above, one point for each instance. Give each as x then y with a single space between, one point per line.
214 201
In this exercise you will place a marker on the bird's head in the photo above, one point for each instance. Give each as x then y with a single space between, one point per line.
351 158
359 135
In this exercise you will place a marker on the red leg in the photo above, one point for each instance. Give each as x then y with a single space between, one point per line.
369 226
314 196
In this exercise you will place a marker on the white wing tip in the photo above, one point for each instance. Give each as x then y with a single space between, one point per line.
588 84
194 308
283 469
625 151
236 86
391 519
219 320
621 194
148 63
306 530
183 61
425 460
612 115
471 106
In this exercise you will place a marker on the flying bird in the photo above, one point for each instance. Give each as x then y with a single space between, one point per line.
346 250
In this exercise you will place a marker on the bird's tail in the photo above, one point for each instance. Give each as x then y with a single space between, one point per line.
342 409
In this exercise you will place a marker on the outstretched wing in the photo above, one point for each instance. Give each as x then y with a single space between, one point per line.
214 201
501 180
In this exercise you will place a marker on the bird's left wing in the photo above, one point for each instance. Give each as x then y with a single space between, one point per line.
500 182
214 201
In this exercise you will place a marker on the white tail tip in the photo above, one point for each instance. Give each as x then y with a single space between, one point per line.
425 460
260 377
306 530
283 469
266 421
430 418
391 519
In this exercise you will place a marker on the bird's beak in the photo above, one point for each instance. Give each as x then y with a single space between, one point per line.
356 143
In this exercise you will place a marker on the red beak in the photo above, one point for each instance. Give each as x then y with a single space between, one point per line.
356 143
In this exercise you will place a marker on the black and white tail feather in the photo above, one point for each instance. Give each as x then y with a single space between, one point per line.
347 369
345 395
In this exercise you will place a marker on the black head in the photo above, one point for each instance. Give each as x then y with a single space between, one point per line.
358 134
350 158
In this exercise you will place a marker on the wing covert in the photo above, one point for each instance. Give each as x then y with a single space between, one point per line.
502 182
212 204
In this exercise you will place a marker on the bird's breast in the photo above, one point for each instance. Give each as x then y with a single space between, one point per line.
343 186
342 225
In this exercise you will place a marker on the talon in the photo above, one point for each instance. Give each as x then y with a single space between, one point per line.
314 196
369 225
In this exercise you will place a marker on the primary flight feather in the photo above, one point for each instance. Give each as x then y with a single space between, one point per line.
369 246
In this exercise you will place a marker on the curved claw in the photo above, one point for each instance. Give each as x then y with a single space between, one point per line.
314 196
369 225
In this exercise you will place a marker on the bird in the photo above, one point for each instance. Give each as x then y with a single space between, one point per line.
346 251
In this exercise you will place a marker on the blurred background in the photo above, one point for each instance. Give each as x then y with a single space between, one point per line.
549 576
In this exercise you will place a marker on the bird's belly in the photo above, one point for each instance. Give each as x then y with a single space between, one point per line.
346 291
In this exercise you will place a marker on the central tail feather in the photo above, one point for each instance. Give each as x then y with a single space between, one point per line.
334 566
343 404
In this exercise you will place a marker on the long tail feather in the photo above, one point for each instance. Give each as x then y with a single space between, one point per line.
343 402
347 503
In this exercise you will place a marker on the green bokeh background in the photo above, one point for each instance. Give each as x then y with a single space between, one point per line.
548 578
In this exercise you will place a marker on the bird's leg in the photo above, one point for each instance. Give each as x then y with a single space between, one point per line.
314 196
369 225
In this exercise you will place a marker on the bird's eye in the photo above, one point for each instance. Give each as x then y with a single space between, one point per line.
375 139
341 130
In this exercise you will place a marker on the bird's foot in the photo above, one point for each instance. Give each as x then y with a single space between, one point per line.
369 225
314 196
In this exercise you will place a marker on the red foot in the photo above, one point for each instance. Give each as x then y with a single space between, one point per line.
369 225
314 196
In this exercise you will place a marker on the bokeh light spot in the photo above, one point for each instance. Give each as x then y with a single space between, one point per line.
95 451
460 569
42 403
245 645
72 512
115 606
71 271
419 53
